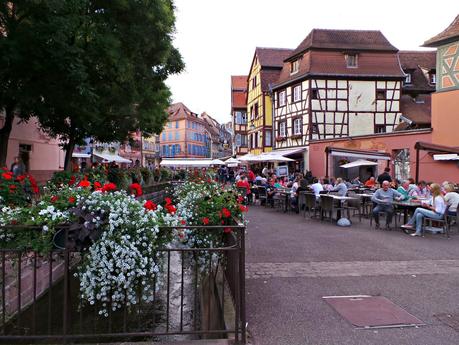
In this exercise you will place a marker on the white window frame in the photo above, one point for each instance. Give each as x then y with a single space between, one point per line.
433 78
282 129
296 93
407 78
352 60
268 138
297 126
238 140
282 98
294 67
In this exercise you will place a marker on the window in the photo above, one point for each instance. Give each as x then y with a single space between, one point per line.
252 115
314 94
402 163
351 60
177 148
187 124
243 140
176 124
315 128
297 126
407 77
380 128
238 140
189 148
169 124
256 110
282 98
296 93
177 136
282 129
254 82
433 78
380 94
268 138
255 135
294 66
164 137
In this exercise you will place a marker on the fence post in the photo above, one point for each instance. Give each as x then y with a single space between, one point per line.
242 284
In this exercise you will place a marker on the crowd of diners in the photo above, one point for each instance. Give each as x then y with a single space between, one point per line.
434 199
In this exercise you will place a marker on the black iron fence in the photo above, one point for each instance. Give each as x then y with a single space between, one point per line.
192 295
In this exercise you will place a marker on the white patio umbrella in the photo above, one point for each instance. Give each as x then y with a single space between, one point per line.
358 163
249 158
217 162
273 157
232 161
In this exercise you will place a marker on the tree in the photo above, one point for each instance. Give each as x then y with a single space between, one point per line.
98 67
118 57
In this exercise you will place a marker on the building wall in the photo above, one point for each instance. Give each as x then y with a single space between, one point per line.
429 169
448 67
445 118
45 156
186 139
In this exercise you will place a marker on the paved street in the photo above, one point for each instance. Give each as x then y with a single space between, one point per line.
293 262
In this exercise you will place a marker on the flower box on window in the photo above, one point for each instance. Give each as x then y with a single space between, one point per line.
297 136
281 138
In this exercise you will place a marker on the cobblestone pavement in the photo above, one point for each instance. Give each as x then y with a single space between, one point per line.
292 262
349 269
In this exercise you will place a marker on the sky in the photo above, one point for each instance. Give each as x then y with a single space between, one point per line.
217 38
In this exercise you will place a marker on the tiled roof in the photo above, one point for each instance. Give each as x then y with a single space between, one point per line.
272 57
178 111
417 110
238 99
344 39
451 33
269 77
239 82
415 63
370 64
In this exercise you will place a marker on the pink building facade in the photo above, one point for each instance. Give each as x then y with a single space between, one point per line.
40 153
396 150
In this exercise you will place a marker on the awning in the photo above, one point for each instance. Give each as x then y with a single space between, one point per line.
339 152
112 158
80 155
446 157
358 163
248 158
186 162
288 152
273 157
232 161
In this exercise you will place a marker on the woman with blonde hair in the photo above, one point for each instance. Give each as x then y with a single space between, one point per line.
434 209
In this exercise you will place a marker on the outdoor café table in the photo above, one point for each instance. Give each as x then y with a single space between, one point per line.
406 206
366 199
342 199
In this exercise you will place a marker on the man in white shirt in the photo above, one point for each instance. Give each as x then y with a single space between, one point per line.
317 188
451 198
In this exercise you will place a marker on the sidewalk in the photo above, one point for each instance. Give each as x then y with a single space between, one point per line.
292 262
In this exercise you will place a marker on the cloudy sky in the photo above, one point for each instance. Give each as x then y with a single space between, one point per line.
217 38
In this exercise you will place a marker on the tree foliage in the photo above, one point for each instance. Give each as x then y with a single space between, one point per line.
102 67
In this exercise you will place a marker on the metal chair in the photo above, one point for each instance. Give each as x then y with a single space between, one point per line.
262 195
354 205
429 222
311 204
329 206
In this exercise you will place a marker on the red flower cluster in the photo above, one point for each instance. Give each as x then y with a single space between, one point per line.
72 199
33 184
136 189
226 213
205 220
227 230
243 208
109 187
84 183
72 180
97 185
7 175
54 198
150 205
169 207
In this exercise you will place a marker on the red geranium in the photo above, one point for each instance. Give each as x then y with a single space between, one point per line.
72 180
12 187
136 188
227 230
168 201
240 198
226 213
84 184
20 178
205 220
7 175
183 222
72 199
243 208
170 208
150 205
108 187
97 184
54 198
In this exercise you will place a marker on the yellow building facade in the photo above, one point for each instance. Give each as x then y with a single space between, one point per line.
264 71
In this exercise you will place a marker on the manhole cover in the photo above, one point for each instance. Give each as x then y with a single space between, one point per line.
372 311
452 320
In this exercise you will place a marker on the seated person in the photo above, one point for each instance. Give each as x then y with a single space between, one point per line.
356 182
327 185
403 189
244 184
452 199
316 188
294 194
420 191
278 182
434 209
383 198
370 183
340 187
271 190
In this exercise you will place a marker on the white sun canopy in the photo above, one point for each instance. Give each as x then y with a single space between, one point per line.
358 163
186 162
446 157
80 155
112 158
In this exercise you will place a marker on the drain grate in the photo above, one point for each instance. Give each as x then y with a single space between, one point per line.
451 320
372 311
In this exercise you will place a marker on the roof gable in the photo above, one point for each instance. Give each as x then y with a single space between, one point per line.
450 34
344 40
272 57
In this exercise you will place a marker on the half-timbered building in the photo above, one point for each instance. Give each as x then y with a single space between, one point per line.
239 113
264 71
337 83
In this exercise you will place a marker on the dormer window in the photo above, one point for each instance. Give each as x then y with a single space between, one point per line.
432 78
294 66
351 60
407 77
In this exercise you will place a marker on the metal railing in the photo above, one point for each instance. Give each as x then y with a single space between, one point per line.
40 298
